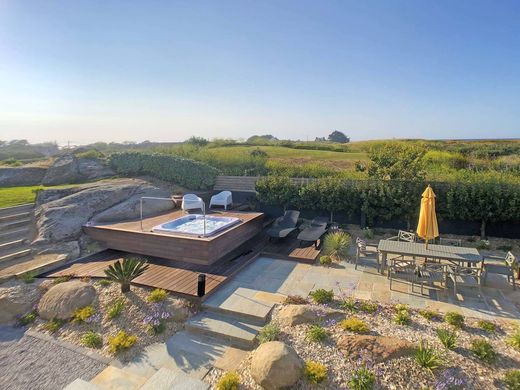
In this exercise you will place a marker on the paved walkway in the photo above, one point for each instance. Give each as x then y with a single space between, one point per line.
35 363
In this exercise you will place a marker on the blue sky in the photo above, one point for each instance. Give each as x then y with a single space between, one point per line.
83 71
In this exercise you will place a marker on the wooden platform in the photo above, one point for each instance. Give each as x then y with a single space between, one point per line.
136 237
180 278
291 249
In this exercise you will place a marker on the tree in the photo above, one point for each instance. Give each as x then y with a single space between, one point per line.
260 139
197 141
338 136
397 161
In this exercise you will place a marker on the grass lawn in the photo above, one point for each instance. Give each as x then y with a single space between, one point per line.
14 196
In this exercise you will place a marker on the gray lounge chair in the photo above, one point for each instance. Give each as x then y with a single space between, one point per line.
315 231
284 225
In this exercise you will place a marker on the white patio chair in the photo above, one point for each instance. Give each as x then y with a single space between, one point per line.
224 198
192 202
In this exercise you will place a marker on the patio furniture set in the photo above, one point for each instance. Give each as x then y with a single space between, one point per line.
414 262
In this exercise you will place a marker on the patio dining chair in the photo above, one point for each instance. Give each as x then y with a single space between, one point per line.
402 270
450 241
366 250
501 266
431 273
463 276
405 236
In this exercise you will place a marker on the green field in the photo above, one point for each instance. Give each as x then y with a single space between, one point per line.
14 196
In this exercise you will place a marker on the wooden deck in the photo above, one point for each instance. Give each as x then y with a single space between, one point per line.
291 249
136 237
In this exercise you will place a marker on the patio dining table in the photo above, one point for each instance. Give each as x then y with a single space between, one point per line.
453 254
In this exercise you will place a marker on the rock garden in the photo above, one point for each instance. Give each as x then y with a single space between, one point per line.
339 343
94 313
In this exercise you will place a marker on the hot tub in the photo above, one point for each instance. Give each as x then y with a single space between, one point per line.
193 225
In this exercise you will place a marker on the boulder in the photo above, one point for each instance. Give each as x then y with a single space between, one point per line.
93 169
377 348
64 170
62 219
130 208
61 300
64 250
16 301
29 176
275 365
290 315
51 194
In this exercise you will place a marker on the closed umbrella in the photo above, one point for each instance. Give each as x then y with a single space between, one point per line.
427 227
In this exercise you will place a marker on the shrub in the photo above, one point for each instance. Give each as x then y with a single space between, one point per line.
184 172
28 318
116 308
454 319
92 339
402 317
322 296
336 244
229 381
104 282
295 300
427 357
325 260
368 234
483 350
401 307
512 379
28 277
430 314
447 338
362 379
270 332
514 340
317 333
488 326
53 325
157 295
61 279
315 372
83 314
349 304
126 271
121 341
368 307
355 324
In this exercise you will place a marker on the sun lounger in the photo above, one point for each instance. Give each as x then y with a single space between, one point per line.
284 225
315 231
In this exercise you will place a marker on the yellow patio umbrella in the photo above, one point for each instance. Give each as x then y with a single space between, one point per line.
427 227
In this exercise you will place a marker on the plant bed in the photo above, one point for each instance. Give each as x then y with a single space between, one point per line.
411 369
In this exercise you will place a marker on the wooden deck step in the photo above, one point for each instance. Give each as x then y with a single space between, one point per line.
8 226
11 245
15 255
16 209
15 217
235 331
14 234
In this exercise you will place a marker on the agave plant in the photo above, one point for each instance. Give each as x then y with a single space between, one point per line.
127 270
336 245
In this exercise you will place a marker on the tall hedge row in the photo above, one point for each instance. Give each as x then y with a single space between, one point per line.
187 173
385 200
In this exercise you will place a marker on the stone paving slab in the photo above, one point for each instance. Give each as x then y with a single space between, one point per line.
166 379
80 384
231 359
113 378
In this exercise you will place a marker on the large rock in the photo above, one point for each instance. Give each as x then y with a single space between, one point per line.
64 250
377 348
16 301
62 219
61 300
297 314
275 365
92 169
64 170
130 208
29 176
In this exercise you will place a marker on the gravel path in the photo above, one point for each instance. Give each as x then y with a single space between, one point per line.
31 363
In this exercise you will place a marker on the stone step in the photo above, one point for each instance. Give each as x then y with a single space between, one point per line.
235 331
16 217
80 384
166 379
10 246
15 255
16 209
12 225
14 234
113 378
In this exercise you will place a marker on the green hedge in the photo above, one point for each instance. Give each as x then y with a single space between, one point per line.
385 200
184 172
